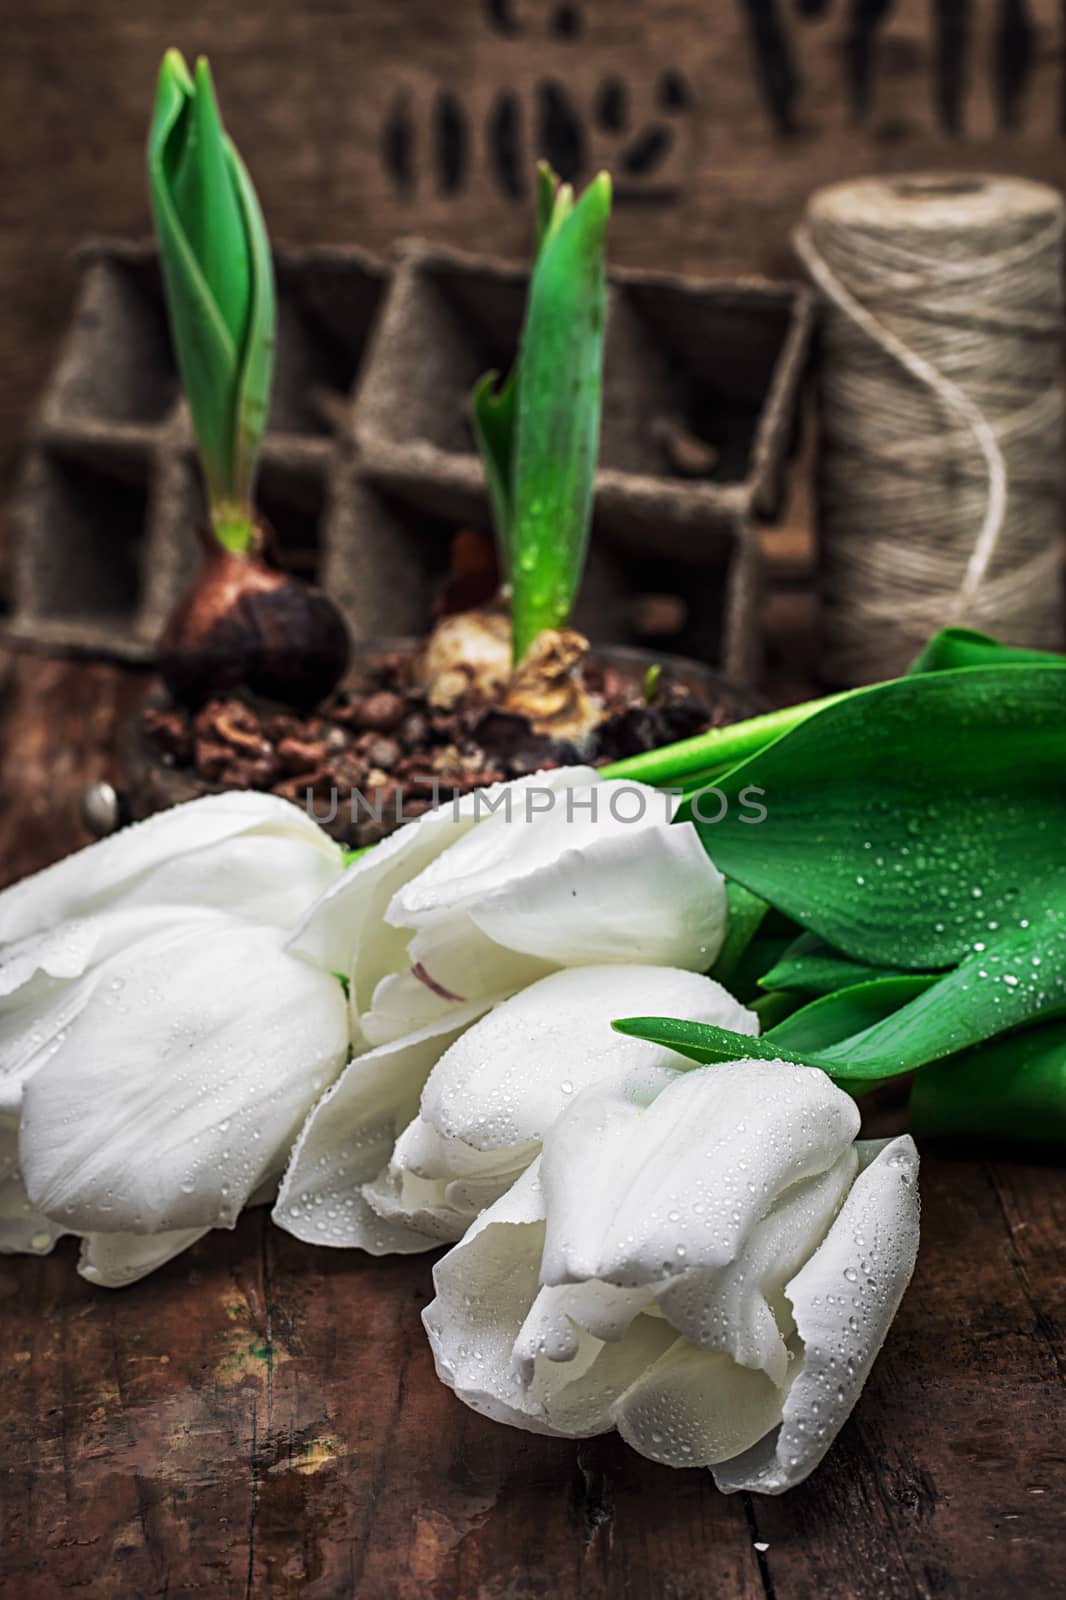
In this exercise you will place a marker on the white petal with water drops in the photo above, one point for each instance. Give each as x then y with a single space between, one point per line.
843 1302
183 844
22 1228
168 1104
635 1196
347 1141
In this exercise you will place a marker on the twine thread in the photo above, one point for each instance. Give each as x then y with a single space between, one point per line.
940 473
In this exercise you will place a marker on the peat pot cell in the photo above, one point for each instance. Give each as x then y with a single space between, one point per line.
678 609
447 321
292 499
453 551
117 365
327 303
689 371
435 537
80 558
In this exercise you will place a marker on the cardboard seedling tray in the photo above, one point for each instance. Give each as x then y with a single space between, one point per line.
110 497
369 466
719 362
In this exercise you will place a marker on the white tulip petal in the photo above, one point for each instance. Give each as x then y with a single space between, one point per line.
72 947
260 877
93 878
449 965
331 935
347 930
113 1260
400 1005
741 1309
348 1138
421 1150
640 1196
642 894
484 1288
523 825
560 1317
29 1029
507 1080
439 1187
58 954
52 977
693 1408
23 1229
454 955
167 1104
581 1398
843 1302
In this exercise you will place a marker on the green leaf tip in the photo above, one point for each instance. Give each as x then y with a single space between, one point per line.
218 280
704 1043
538 433
174 67
547 184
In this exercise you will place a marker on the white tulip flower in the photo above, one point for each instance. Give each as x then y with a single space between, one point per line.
490 1095
711 1273
159 1046
478 898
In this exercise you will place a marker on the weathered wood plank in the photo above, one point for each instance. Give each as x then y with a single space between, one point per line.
61 727
260 1418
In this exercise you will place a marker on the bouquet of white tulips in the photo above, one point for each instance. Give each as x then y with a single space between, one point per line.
540 1025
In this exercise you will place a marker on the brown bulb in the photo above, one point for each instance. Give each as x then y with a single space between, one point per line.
245 624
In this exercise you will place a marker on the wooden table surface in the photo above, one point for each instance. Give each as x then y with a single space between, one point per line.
261 1418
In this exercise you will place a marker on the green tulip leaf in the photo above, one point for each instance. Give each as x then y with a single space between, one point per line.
207 203
494 410
548 187
952 648
693 763
1017 980
811 965
1013 1088
706 1043
774 1008
557 426
494 405
746 914
760 956
218 279
257 364
204 345
834 1018
906 822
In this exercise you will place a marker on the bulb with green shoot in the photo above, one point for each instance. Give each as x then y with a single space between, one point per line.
538 432
244 623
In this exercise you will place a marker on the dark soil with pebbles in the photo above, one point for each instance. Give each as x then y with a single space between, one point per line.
377 753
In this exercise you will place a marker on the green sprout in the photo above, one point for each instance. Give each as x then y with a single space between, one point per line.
538 433
219 284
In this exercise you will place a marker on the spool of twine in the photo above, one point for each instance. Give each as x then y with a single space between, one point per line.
940 467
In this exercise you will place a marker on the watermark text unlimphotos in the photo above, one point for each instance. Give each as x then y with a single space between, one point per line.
617 803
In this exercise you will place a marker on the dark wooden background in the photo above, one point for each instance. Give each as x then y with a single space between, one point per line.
367 119
261 1419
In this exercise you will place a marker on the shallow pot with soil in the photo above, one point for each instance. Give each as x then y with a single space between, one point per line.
390 743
